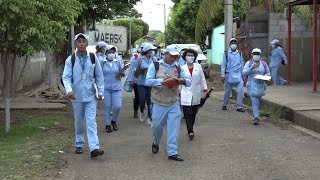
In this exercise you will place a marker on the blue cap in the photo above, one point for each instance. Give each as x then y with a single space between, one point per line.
101 44
173 50
275 41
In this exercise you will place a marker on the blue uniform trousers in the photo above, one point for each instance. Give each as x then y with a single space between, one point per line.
227 92
275 77
86 111
172 115
112 102
255 103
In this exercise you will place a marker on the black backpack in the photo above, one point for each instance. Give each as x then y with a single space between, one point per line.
73 61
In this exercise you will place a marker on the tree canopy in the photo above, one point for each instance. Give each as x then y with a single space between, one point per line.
181 26
139 28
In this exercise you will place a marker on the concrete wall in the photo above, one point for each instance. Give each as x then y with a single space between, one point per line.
302 44
33 73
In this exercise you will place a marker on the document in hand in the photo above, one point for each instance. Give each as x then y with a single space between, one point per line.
171 82
259 76
140 71
95 90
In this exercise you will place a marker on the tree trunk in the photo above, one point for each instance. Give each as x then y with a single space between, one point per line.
52 88
7 60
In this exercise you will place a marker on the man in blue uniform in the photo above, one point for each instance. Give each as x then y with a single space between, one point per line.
79 76
166 107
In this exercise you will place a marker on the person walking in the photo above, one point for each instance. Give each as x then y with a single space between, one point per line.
277 59
112 102
231 74
166 107
101 50
255 87
141 66
81 71
134 80
190 96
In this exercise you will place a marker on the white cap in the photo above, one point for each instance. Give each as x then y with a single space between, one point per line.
108 47
143 44
256 50
173 50
148 47
275 41
232 39
81 35
101 44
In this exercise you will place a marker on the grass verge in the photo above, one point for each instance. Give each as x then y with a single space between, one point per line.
31 148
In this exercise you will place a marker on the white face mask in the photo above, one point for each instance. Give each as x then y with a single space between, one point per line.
233 46
273 46
190 59
110 57
152 53
256 57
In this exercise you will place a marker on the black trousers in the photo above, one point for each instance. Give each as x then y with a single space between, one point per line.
136 97
190 113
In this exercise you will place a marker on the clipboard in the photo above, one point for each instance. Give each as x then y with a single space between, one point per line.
140 71
171 82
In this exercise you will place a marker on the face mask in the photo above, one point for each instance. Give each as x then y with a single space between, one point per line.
233 46
190 59
256 57
273 46
110 56
152 53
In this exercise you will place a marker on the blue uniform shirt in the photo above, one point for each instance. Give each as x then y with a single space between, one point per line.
101 57
131 77
234 62
111 76
263 70
82 85
276 57
144 64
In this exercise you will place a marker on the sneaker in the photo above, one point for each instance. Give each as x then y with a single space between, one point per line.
114 125
108 129
148 121
79 150
96 153
175 157
256 121
224 108
155 148
142 117
241 110
191 136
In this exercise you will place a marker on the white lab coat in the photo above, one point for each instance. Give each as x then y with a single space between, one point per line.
191 95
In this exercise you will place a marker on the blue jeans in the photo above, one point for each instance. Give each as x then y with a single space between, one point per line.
276 78
112 102
172 116
86 111
227 92
144 97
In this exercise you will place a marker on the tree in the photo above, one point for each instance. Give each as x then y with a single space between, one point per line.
28 27
92 11
139 28
157 35
181 26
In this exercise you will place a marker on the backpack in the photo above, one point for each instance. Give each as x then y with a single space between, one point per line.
73 61
250 64
226 55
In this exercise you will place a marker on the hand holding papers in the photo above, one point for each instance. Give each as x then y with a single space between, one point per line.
170 82
261 77
95 89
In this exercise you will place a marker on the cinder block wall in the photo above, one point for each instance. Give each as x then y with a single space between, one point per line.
301 43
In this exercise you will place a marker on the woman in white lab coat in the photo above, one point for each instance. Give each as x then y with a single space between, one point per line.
190 96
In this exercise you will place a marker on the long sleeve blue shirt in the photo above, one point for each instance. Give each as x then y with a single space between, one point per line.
262 69
234 62
112 80
80 78
145 63
276 57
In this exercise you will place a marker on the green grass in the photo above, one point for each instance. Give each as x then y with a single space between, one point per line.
32 145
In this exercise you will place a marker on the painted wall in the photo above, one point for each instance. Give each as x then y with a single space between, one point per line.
215 54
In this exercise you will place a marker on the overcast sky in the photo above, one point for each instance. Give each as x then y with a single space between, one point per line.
153 14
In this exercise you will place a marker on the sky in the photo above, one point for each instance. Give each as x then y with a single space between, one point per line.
153 14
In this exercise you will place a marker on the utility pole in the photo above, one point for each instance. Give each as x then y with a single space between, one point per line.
228 21
130 37
72 39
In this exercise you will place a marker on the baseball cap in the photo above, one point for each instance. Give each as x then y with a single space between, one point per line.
148 47
257 50
81 35
233 39
108 47
275 41
142 45
101 44
173 50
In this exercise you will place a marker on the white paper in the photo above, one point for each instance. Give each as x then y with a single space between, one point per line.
95 89
259 76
